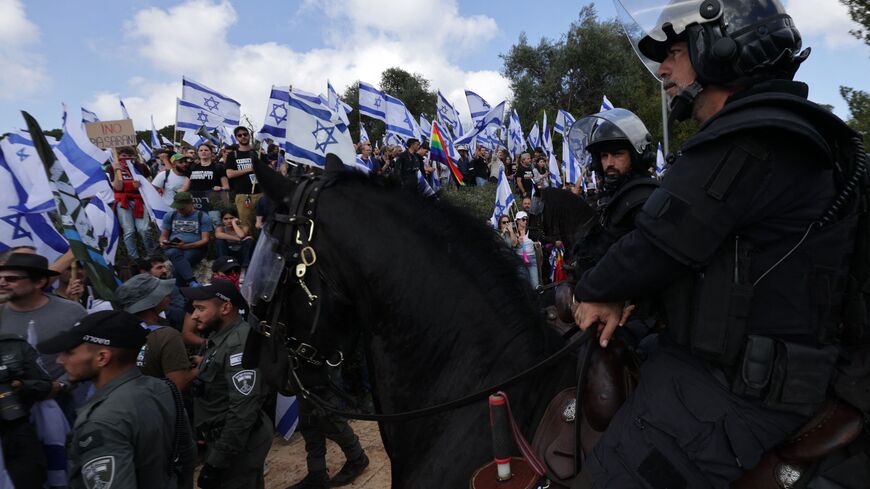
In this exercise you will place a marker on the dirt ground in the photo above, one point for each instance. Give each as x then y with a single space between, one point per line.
286 460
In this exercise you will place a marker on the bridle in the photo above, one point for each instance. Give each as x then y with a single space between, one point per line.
295 232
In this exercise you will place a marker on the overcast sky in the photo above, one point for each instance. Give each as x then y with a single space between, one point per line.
88 53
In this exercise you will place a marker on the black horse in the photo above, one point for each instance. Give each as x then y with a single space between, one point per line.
443 310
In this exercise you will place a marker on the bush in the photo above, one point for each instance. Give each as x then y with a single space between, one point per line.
478 201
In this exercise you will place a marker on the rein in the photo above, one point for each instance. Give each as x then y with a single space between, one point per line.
295 232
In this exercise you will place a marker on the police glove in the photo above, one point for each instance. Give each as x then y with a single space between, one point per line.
209 477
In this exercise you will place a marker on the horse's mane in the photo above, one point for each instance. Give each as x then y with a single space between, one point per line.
564 213
488 263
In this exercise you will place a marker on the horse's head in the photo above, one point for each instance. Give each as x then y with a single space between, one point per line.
293 295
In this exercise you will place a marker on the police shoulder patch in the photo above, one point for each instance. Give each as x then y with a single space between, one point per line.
99 473
244 381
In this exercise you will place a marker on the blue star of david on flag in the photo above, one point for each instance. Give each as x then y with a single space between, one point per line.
210 103
18 232
323 136
378 102
202 117
499 209
277 114
22 155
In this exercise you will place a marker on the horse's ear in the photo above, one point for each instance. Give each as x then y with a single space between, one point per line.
274 184
333 164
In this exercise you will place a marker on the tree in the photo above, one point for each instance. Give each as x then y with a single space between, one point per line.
592 59
859 10
859 107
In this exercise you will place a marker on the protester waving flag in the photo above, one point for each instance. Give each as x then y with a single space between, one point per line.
77 229
441 150
504 199
477 105
372 102
211 100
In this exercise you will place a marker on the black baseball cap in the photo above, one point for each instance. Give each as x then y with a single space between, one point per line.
118 329
224 264
217 289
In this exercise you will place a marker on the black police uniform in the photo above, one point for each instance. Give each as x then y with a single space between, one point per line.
750 294
22 451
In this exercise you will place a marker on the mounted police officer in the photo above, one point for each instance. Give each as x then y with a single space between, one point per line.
133 432
228 398
621 149
748 237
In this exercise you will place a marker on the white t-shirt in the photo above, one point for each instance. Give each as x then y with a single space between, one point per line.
169 185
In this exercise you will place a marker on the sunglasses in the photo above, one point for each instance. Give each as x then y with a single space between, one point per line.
505 222
13 278
242 135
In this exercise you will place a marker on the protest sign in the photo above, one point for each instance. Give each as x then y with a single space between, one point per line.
111 134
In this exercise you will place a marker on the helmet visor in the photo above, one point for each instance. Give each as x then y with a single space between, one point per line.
650 24
610 125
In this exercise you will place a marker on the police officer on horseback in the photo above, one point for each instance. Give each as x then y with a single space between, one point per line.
621 149
748 238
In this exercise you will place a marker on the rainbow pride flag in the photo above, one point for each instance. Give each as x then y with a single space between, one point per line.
440 148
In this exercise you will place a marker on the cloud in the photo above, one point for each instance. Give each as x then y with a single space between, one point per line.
358 46
23 69
828 19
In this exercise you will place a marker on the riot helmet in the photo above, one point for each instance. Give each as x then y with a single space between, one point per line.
730 42
612 130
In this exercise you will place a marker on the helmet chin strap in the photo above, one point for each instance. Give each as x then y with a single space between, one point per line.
681 105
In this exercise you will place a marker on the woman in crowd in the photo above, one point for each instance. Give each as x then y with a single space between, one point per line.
233 238
506 230
525 248
208 175
540 176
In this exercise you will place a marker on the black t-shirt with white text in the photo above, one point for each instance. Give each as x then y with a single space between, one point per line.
243 160
205 178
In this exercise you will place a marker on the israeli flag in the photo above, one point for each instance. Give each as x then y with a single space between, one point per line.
555 171
275 125
516 140
212 101
477 105
192 116
535 136
334 102
606 104
372 102
399 119
154 203
363 135
83 162
660 162
25 229
88 116
286 415
25 166
144 151
313 130
124 113
155 138
494 117
447 114
546 136
569 165
106 225
51 428
504 199
564 120
193 139
425 127
165 140
226 134
423 186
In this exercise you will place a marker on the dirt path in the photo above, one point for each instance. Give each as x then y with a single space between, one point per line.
287 459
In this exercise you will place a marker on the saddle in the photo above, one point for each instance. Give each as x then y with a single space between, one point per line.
608 378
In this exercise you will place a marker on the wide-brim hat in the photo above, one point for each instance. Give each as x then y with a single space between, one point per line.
142 292
30 263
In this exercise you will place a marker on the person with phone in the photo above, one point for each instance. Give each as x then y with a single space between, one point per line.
185 233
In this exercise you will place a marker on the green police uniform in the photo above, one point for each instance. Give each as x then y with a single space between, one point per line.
124 437
227 410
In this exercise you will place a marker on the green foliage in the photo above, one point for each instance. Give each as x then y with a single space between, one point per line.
477 201
859 107
859 10
574 72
